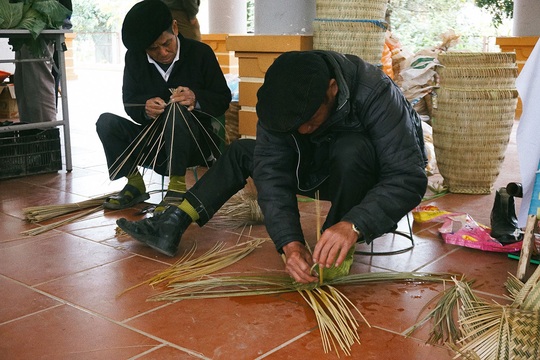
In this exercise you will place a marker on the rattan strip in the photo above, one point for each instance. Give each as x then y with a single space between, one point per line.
478 59
352 9
475 111
478 83
444 93
523 340
480 72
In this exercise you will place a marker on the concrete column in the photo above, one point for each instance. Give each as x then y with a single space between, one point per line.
526 15
227 16
284 17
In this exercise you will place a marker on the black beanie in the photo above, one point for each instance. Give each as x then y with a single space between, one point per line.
145 23
294 88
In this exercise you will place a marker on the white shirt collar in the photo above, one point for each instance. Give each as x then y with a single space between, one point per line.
166 74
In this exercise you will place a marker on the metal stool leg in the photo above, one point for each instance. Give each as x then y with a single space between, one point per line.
395 233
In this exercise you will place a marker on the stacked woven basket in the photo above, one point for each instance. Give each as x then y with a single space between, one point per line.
351 27
473 118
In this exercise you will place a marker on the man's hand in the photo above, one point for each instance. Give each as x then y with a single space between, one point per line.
154 107
184 96
335 242
298 262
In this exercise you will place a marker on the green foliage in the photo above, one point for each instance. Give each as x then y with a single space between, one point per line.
499 9
419 24
250 15
34 16
10 14
89 17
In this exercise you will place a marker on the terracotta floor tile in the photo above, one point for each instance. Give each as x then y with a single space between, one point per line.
65 332
376 344
12 227
103 289
169 353
40 261
18 300
489 270
392 306
230 328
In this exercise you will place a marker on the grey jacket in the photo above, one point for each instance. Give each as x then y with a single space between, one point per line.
368 102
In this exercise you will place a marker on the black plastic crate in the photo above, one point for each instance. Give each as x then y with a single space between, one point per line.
28 152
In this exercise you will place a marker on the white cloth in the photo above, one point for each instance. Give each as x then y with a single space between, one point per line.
528 132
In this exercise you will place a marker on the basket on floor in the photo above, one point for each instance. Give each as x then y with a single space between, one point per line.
352 9
471 130
363 38
473 118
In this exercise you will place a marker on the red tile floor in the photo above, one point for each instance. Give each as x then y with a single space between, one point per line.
60 290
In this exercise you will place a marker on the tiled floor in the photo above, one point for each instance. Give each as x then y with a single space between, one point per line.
60 290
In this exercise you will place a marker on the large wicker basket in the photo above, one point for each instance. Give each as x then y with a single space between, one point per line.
352 9
470 140
364 39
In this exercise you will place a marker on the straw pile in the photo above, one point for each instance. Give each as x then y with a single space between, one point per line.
487 330
473 118
352 27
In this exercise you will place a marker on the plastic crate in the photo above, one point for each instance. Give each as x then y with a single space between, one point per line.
28 152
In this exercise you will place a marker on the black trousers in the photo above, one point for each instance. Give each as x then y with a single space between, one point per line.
353 172
174 142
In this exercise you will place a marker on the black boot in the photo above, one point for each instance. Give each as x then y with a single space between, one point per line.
161 232
503 218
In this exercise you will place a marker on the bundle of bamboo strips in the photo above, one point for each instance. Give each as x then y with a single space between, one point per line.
188 268
241 210
485 330
38 214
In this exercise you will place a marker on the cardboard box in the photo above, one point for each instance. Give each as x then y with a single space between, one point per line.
8 102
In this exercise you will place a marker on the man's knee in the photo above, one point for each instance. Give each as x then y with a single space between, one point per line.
104 122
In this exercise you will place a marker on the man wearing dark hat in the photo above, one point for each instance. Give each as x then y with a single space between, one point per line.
327 122
162 70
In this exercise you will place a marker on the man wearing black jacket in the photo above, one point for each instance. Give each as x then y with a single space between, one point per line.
162 70
327 122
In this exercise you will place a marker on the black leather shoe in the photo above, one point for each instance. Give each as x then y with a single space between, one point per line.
161 232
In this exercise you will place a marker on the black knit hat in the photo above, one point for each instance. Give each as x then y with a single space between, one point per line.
145 23
294 88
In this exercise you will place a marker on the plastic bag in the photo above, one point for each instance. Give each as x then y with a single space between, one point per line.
462 230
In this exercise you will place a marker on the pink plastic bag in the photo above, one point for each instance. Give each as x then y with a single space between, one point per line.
461 229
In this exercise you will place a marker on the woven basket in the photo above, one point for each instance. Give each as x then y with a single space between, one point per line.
231 122
478 77
363 39
352 9
471 130
477 59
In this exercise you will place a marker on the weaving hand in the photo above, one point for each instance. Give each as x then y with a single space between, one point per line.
298 262
334 244
184 96
154 107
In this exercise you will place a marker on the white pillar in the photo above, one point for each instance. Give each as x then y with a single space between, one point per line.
284 17
227 16
526 15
